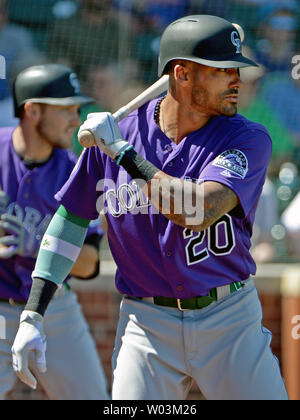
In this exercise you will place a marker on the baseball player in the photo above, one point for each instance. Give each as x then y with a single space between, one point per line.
190 310
34 164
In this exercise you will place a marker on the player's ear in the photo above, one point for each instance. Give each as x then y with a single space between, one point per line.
182 73
32 111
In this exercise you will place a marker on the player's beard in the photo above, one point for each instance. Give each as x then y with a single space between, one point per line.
228 108
211 105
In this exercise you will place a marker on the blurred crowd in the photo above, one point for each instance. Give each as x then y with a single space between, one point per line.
113 47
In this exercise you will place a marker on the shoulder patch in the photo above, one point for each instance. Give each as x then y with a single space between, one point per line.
234 161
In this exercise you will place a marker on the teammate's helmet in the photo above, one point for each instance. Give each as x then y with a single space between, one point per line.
52 84
204 39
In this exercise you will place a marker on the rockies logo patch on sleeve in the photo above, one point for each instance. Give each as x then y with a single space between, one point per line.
233 161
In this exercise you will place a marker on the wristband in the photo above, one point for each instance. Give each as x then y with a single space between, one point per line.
136 166
40 296
119 158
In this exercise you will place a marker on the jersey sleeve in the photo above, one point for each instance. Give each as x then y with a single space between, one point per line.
242 167
79 194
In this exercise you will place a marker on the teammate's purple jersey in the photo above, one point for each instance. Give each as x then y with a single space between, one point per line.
28 194
154 256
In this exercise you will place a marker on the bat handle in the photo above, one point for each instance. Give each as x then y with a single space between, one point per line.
86 139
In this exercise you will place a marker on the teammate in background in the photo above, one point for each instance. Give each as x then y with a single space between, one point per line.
190 309
34 164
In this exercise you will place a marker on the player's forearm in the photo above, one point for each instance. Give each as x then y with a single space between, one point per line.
193 206
59 250
178 200
185 203
61 246
86 263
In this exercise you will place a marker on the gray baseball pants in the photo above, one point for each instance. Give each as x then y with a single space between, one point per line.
223 347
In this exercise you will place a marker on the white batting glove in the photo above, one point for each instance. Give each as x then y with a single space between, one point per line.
106 133
30 337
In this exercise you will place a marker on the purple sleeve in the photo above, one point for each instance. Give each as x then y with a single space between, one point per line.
79 194
242 167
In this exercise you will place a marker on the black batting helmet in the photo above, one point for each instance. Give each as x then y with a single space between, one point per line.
204 39
52 84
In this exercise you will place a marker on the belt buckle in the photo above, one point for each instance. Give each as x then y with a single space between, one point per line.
179 305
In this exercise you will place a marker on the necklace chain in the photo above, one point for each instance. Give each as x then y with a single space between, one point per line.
157 111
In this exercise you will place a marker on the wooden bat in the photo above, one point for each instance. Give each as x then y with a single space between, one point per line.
86 137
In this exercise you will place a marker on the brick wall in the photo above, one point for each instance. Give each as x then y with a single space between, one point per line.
100 303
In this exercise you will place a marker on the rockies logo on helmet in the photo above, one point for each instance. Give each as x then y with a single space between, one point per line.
235 39
74 82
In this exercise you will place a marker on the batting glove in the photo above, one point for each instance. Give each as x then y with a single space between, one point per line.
20 241
106 133
30 337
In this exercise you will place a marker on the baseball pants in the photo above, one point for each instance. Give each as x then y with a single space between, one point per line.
223 347
74 371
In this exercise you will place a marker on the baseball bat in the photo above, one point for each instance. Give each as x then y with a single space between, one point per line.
86 137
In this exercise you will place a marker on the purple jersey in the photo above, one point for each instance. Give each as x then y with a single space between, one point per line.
154 256
28 194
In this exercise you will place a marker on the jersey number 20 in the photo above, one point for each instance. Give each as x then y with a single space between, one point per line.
192 251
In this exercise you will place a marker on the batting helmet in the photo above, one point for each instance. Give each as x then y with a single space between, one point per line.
204 39
52 84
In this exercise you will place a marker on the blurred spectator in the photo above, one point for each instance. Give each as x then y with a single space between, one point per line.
38 15
106 83
287 184
253 106
267 216
93 36
145 34
18 49
268 233
210 7
269 242
111 88
242 12
159 12
277 34
282 93
291 221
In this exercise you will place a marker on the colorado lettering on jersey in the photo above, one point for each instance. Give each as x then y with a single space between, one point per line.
127 197
233 161
31 218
